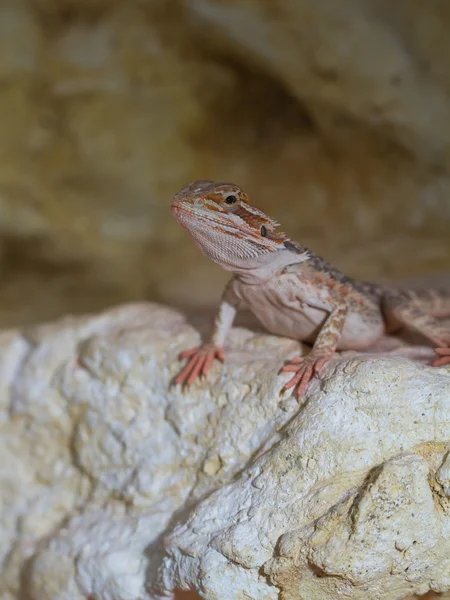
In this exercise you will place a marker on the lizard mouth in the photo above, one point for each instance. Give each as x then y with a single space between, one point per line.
177 209
183 211
186 216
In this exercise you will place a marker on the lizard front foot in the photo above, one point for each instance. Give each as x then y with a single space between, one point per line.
304 369
444 357
200 361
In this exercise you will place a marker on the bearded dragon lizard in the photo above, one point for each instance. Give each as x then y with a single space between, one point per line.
291 290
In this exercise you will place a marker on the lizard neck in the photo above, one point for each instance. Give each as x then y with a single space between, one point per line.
262 268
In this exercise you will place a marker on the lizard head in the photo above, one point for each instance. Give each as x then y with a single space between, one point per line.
226 227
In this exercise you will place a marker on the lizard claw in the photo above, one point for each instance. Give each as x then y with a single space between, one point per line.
444 357
304 369
200 360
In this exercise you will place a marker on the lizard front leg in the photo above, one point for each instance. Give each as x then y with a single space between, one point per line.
201 358
305 368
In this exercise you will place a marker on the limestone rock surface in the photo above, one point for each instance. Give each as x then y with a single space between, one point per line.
114 485
333 115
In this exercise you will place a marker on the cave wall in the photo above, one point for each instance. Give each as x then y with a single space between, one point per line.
334 116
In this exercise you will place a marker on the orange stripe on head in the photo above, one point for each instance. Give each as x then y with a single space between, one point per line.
224 208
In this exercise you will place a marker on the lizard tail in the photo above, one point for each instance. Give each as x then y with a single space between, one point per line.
419 310
435 302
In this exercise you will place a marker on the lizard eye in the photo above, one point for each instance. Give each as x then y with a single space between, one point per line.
230 199
263 231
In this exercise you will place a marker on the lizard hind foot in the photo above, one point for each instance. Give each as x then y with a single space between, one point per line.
304 369
200 360
444 357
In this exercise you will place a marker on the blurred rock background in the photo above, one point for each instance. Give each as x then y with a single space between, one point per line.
333 115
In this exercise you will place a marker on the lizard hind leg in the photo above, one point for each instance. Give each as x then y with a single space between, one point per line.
416 310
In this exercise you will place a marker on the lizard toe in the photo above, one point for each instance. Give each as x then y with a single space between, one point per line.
444 357
200 361
304 369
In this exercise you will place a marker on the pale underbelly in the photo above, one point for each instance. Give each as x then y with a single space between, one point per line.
303 322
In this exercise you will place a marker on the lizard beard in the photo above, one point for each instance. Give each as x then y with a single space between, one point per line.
252 263
249 257
228 252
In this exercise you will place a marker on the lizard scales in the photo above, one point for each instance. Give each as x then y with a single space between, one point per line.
292 291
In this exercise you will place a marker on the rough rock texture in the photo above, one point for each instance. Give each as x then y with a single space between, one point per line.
114 485
335 116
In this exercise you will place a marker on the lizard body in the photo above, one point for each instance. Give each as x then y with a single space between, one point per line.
292 291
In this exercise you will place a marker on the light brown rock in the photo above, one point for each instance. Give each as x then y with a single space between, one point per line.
115 485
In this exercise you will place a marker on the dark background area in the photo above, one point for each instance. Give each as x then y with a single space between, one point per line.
333 116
